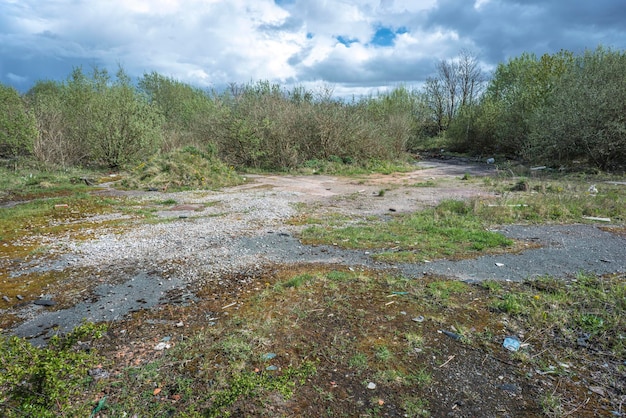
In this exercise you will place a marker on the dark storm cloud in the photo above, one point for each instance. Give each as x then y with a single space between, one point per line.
504 29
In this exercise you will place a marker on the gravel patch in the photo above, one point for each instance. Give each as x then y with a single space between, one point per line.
209 235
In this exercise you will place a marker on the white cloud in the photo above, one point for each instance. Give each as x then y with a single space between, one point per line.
213 42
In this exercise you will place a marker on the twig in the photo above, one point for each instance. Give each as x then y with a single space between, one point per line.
577 408
450 358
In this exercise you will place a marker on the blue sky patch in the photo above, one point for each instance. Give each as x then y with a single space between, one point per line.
386 36
346 40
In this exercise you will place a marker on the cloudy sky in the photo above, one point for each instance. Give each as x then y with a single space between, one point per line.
357 46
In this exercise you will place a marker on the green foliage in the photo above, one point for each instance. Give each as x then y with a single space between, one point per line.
183 169
249 384
42 381
17 126
94 119
585 117
551 110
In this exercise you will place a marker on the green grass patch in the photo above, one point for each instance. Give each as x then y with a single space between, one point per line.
347 166
33 183
449 230
559 200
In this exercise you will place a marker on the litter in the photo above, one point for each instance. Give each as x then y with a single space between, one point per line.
595 218
511 343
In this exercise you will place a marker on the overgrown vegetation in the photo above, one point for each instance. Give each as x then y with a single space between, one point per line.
310 341
46 381
556 110
552 110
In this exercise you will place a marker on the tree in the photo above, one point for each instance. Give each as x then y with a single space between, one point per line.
458 83
17 126
53 145
125 126
585 114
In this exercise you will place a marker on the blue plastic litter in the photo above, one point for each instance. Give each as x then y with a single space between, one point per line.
511 343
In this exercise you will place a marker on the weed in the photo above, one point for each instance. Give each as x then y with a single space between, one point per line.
552 405
298 280
42 381
358 361
415 407
383 353
442 290
414 340
492 285
513 304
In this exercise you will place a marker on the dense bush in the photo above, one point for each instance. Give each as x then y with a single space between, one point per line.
551 110
17 125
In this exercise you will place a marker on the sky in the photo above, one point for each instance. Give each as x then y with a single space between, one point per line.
354 47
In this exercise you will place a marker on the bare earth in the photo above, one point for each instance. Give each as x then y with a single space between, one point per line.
245 229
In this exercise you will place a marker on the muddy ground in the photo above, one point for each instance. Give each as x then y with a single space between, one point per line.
110 289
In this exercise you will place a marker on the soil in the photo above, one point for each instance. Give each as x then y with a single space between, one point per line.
471 384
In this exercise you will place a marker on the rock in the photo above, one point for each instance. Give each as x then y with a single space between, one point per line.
418 319
597 389
6 299
20 297
162 346
371 385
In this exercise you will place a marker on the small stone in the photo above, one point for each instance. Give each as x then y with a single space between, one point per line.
508 387
597 389
180 324
162 346
44 302
499 265
99 373
371 385
20 297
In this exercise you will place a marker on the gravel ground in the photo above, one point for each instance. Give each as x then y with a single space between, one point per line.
244 229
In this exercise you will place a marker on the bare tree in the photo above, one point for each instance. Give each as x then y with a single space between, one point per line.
470 77
458 83
449 77
436 99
